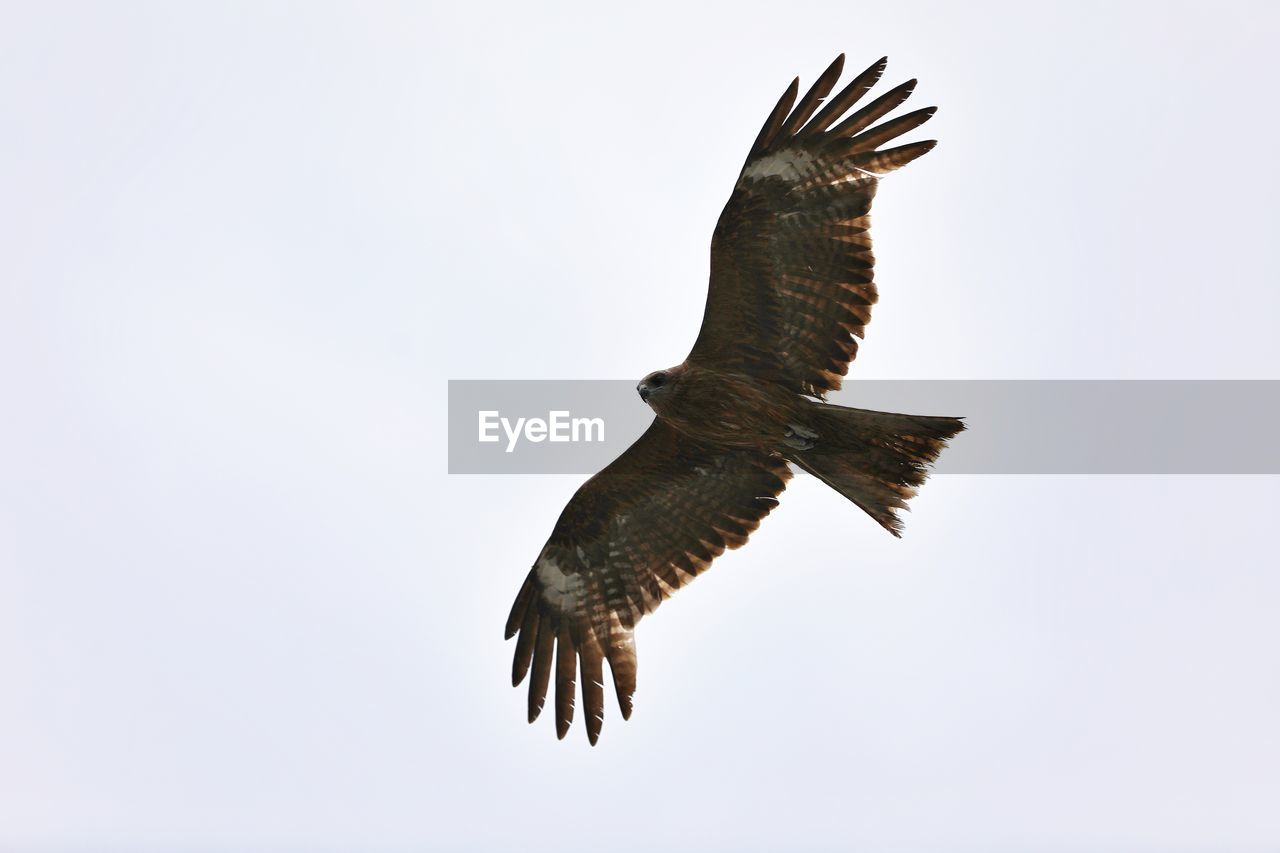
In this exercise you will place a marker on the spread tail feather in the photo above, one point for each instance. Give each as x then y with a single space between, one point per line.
875 459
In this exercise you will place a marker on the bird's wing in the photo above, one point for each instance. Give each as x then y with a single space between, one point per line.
631 536
791 265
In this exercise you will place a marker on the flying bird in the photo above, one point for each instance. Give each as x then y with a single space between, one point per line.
790 294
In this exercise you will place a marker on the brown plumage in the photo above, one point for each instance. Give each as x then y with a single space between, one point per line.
790 294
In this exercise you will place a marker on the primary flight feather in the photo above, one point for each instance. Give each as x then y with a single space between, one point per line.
790 294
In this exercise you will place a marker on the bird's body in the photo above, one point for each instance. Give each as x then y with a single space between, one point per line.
791 291
731 410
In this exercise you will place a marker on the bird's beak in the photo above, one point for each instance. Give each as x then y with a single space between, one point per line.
643 391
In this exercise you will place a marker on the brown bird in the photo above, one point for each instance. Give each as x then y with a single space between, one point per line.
791 292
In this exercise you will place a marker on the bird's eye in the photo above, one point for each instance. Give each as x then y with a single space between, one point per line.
657 379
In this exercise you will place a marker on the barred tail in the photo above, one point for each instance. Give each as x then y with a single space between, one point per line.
875 459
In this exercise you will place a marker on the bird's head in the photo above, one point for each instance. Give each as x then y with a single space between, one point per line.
656 388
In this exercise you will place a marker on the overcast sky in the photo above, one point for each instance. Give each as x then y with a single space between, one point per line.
243 606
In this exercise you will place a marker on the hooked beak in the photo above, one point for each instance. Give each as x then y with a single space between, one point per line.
643 391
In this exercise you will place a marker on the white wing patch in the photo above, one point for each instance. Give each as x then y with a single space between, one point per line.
560 590
788 164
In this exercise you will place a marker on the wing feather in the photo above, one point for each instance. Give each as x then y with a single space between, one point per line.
518 609
540 679
881 106
622 666
524 645
566 671
592 684
847 97
813 98
890 130
882 162
774 122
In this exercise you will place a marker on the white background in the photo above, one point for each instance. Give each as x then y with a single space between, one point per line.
242 606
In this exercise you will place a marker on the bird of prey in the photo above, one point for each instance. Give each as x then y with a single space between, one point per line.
791 292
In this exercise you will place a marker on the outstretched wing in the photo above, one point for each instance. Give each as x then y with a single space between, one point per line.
632 535
791 265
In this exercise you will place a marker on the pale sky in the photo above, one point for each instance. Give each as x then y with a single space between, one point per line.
243 607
